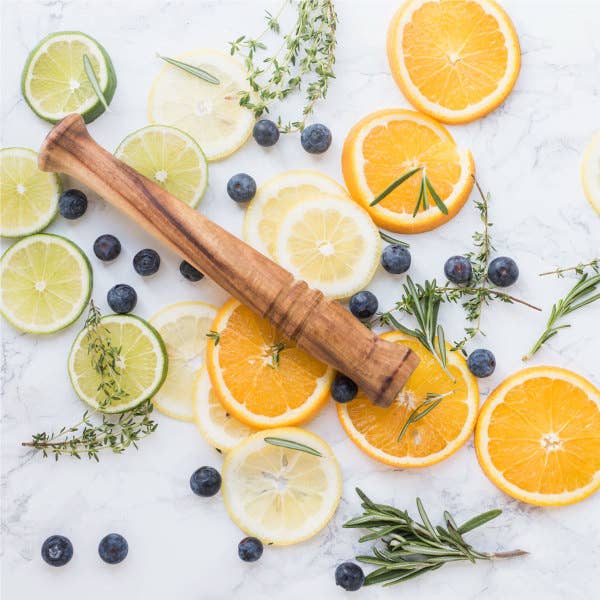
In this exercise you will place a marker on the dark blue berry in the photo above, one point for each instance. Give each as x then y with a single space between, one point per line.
343 389
107 247
503 271
190 272
241 187
72 204
349 576
363 304
481 362
458 269
250 549
146 262
395 259
57 550
121 298
266 133
205 481
113 548
316 138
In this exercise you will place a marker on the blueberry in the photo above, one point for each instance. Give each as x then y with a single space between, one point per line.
113 548
205 481
121 298
395 259
107 247
72 204
190 272
241 187
316 138
343 389
503 271
57 550
458 269
265 132
481 362
146 262
250 549
349 576
363 304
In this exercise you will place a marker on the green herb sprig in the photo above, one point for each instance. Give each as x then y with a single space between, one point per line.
592 265
91 75
215 336
275 352
422 410
191 69
285 443
390 239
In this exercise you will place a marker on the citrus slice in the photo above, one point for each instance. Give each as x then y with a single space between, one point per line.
141 362
330 243
275 197
183 327
261 378
210 113
590 172
220 429
454 60
538 436
45 283
55 82
387 144
280 495
375 430
28 196
169 157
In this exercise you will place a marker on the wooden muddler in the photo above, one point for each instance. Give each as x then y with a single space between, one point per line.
321 327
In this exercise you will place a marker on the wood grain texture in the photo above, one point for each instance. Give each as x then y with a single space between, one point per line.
321 327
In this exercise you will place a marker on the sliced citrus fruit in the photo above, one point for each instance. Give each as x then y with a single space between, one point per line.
455 60
375 430
220 429
169 157
55 82
210 113
45 283
28 196
538 436
590 172
261 378
275 197
141 363
387 144
330 243
281 495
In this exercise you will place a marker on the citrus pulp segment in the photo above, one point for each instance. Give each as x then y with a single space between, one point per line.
590 172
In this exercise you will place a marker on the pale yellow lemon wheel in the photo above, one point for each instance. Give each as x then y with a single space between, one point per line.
590 172
538 436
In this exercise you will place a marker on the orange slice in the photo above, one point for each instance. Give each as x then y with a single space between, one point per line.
538 436
389 143
251 383
455 60
433 438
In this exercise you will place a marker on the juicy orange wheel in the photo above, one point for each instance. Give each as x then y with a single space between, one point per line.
538 436
387 144
433 438
455 60
261 378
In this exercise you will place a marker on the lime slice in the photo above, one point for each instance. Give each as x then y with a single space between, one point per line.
45 283
142 363
54 80
28 196
169 157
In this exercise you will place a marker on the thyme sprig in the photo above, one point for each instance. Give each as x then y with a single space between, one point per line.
411 548
580 269
422 410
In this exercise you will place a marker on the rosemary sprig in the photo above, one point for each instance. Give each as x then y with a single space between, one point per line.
422 410
580 269
214 336
191 69
390 239
275 441
275 351
91 75
412 548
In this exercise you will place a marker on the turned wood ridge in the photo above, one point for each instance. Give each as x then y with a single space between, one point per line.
321 327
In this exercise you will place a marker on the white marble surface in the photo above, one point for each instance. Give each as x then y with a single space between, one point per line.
181 547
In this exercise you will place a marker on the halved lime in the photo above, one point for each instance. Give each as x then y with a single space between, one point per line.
54 80
169 157
142 363
28 196
45 283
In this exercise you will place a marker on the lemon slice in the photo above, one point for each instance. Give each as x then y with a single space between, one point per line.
218 427
281 496
210 113
142 363
183 327
170 158
45 283
28 196
590 172
331 244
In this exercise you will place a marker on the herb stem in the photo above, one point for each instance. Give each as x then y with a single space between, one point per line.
486 293
593 264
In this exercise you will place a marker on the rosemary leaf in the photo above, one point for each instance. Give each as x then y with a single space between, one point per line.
275 441
478 521
91 75
214 336
390 188
438 201
422 410
390 239
191 69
